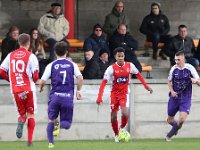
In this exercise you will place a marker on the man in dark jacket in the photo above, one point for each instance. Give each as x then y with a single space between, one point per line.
92 69
182 42
96 41
156 27
122 38
116 17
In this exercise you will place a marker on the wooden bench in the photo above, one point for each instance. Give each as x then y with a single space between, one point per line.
148 69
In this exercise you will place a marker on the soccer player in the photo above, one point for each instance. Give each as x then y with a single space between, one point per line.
119 73
61 72
180 79
23 68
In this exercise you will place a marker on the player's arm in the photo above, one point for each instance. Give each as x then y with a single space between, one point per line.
4 74
34 68
135 71
46 75
4 68
79 86
173 93
195 77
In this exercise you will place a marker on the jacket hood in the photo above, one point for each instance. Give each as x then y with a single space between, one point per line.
116 13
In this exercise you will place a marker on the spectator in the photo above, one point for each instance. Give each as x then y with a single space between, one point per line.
104 62
54 27
37 48
96 41
92 69
122 38
156 27
10 43
116 17
182 42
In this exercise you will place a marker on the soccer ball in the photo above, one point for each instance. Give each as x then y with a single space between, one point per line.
124 136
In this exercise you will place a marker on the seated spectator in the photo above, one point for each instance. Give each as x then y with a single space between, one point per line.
156 27
92 69
116 17
54 27
182 42
104 62
37 48
36 45
122 38
96 41
10 43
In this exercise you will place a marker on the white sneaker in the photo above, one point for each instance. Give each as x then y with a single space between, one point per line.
122 130
168 139
116 139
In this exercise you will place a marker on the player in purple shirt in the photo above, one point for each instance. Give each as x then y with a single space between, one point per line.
180 80
61 72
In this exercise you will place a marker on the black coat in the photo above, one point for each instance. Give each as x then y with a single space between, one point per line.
91 70
8 45
155 24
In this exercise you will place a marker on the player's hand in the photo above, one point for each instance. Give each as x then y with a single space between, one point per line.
174 94
40 89
149 89
99 101
78 95
194 80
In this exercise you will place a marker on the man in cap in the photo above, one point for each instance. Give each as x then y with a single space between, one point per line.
54 27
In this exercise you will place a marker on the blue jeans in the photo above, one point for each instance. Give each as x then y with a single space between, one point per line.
51 42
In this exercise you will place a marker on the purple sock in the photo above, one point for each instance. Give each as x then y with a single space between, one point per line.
173 123
50 128
174 129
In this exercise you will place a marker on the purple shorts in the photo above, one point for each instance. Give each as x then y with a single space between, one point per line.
178 104
60 105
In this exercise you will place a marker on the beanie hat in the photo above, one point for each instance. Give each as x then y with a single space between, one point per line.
156 4
103 51
97 26
55 4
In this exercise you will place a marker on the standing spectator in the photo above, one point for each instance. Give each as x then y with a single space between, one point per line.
37 48
96 41
62 92
54 27
156 27
116 17
104 62
182 42
180 80
23 74
10 43
119 73
122 38
91 69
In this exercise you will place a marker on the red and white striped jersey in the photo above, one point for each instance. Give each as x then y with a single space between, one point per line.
21 65
120 76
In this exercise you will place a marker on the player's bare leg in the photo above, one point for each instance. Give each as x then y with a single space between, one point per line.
114 123
30 126
182 118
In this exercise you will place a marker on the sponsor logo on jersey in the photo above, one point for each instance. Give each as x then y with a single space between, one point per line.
122 80
62 66
19 54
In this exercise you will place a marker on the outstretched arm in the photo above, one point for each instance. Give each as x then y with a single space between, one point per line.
140 77
101 90
41 85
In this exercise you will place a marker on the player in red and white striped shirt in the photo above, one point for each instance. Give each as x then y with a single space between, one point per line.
119 73
22 68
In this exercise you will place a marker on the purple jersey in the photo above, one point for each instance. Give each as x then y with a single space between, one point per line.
61 72
181 79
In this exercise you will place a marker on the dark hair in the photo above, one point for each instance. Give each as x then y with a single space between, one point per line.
180 53
117 2
23 39
11 29
102 51
121 24
156 4
55 4
119 49
182 26
97 26
61 48
87 50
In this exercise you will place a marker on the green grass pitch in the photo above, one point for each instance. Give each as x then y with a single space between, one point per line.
138 144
